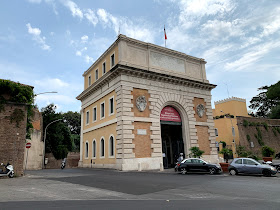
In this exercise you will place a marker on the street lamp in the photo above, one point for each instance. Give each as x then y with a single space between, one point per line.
233 133
45 92
45 135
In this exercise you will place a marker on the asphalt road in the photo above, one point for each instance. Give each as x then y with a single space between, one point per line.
111 189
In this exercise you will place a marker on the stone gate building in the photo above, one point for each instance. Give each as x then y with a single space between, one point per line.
142 105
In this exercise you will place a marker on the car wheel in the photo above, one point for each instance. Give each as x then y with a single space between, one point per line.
184 171
267 173
212 170
232 172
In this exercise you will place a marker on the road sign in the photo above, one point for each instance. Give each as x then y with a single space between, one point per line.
28 145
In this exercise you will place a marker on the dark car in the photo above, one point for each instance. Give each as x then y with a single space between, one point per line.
197 165
250 166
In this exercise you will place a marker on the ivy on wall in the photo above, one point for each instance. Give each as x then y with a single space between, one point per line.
21 94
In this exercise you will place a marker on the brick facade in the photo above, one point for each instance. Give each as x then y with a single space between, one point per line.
12 137
268 136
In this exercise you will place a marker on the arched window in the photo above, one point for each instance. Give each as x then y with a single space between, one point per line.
111 146
94 148
86 150
102 148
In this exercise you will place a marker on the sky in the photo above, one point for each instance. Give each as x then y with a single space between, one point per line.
48 44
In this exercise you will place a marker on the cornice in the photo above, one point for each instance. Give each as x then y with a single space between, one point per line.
147 45
145 74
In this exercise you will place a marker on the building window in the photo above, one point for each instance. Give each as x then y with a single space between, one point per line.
94 114
86 150
104 68
102 110
96 74
102 148
112 60
111 106
111 146
87 117
233 131
89 80
94 148
216 132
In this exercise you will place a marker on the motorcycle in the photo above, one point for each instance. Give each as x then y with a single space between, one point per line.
9 170
63 163
277 166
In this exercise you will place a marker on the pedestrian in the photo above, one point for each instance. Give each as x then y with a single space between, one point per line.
180 158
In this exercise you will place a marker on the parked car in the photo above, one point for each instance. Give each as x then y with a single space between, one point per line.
197 165
250 166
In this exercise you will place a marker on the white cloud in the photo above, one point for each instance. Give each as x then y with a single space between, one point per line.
36 35
222 29
252 56
72 6
84 38
191 11
91 17
89 59
78 53
102 14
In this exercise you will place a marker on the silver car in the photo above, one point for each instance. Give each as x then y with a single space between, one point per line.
250 166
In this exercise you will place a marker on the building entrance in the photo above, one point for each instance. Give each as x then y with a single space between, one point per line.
171 136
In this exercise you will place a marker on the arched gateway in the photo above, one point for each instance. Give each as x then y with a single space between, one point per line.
154 102
171 136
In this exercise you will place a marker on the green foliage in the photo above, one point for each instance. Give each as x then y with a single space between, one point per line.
222 116
242 152
267 102
274 130
265 125
267 151
18 93
226 152
17 116
245 123
62 136
61 152
275 112
255 157
73 119
196 152
248 137
259 137
224 143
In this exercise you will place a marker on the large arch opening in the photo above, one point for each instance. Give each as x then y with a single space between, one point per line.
171 136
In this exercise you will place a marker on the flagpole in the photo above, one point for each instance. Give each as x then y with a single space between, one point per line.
165 37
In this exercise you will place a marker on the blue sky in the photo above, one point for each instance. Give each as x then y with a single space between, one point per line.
50 43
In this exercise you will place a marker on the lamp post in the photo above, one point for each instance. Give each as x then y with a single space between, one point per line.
45 92
233 133
45 135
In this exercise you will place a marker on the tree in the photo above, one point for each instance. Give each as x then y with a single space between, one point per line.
267 102
58 138
226 152
273 93
196 152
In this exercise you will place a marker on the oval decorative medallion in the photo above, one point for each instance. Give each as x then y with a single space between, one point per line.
141 103
200 110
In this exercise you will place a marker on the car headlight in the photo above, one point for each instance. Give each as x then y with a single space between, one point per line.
218 166
272 168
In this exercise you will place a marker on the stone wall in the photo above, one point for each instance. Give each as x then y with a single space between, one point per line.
72 160
12 137
35 153
268 136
